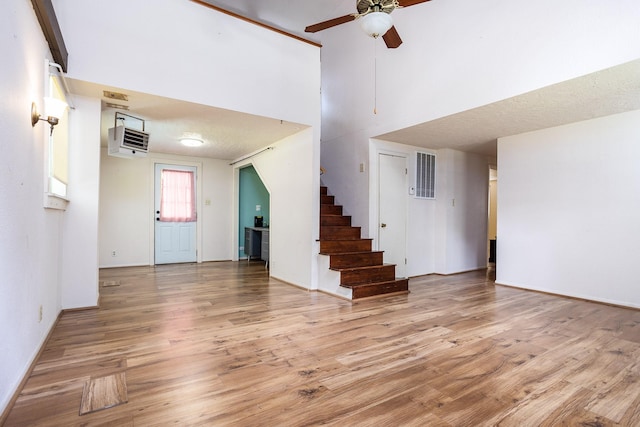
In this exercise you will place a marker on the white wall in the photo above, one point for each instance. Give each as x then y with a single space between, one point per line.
443 236
288 172
568 209
126 208
462 210
30 247
182 50
79 272
125 205
456 55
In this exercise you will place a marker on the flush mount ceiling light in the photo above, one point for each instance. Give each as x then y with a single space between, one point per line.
54 109
191 141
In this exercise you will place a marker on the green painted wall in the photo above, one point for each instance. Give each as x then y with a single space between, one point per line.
252 193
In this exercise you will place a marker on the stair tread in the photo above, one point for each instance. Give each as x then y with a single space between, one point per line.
358 252
360 238
381 283
349 253
339 239
363 267
337 253
343 240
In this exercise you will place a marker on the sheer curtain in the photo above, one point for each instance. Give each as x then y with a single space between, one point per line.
177 196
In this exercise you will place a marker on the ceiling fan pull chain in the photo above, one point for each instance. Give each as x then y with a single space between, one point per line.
375 77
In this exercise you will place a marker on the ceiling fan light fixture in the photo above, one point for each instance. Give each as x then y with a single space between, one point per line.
376 24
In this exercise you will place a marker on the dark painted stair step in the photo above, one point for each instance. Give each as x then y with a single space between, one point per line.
367 274
335 220
355 259
361 269
330 210
327 200
328 247
380 288
339 232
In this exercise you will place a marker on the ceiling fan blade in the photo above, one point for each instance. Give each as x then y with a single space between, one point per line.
392 38
328 24
405 3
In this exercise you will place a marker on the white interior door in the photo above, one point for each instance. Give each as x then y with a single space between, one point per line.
175 231
392 211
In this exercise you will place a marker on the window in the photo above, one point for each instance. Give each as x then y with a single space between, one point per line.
177 196
58 147
425 176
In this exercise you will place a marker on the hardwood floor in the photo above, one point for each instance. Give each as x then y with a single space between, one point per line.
222 344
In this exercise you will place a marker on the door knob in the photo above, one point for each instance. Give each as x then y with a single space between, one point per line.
383 225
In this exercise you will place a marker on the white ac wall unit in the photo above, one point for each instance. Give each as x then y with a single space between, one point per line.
127 142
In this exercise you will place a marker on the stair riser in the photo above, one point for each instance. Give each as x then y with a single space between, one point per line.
335 220
338 246
333 232
355 260
382 273
364 291
323 190
327 200
330 210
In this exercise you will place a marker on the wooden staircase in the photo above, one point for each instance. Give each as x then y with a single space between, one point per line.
361 269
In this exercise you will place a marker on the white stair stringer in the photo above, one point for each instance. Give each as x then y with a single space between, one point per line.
329 280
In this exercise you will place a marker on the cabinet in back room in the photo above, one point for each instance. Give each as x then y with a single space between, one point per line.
256 243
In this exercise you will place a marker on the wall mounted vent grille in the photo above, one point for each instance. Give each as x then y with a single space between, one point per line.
425 176
127 142
135 139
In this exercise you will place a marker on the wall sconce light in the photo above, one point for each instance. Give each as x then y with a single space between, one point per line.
54 109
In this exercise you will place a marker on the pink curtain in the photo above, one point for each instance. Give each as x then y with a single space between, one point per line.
177 196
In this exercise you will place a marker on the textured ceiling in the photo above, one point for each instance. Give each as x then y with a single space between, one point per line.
227 134
610 91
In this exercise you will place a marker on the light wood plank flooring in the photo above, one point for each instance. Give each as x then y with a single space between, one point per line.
221 344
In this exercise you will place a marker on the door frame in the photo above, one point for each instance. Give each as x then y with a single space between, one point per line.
152 211
235 241
374 190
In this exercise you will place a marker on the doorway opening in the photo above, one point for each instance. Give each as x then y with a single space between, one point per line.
492 229
253 216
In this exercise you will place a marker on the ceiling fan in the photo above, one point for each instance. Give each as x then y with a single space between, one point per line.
375 19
